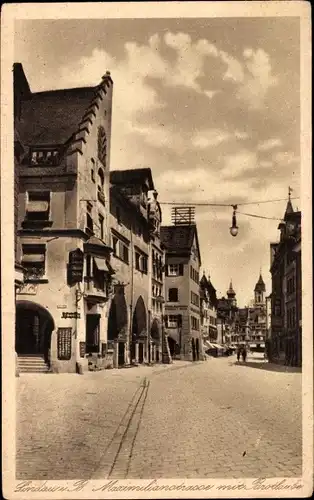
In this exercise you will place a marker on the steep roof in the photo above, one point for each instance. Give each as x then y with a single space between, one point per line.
179 238
289 208
132 176
260 285
54 115
231 290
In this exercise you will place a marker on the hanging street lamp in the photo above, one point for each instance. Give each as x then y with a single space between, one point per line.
234 227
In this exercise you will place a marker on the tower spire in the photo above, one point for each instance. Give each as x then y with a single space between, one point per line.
289 207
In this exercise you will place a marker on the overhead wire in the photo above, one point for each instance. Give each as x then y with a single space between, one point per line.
209 204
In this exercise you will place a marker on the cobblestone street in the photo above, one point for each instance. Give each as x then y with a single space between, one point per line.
209 419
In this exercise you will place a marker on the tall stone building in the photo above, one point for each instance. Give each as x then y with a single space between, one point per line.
208 306
286 295
182 308
136 310
63 226
21 91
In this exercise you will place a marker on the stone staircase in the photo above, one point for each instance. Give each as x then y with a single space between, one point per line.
32 364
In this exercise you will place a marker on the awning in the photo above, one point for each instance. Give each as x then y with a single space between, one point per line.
37 206
36 257
101 264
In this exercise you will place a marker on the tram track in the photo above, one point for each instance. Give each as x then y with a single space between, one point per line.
115 460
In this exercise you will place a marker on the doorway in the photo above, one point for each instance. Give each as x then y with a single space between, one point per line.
92 333
33 329
193 349
120 353
197 349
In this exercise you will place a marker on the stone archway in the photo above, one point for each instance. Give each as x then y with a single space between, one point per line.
156 337
118 324
118 317
139 331
33 328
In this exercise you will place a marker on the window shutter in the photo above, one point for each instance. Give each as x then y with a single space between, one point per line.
179 320
166 321
167 270
180 269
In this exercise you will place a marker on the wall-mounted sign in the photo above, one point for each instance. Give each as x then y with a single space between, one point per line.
64 342
178 308
28 289
70 315
103 349
82 349
75 266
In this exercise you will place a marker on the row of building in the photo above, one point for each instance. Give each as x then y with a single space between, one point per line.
100 282
273 322
284 340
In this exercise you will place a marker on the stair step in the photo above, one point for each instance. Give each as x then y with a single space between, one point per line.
32 364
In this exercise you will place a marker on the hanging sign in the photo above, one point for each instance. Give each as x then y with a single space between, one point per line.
75 267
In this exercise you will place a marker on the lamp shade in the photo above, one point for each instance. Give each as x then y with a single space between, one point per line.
234 231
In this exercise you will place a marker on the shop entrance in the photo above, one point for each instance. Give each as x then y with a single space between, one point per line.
33 329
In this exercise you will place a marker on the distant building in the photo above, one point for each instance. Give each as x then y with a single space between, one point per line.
182 306
226 312
208 303
286 295
246 324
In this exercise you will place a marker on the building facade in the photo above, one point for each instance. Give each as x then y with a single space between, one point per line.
136 310
286 294
226 314
208 306
63 226
182 300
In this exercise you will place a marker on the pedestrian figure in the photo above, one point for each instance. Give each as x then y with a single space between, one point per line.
238 353
244 354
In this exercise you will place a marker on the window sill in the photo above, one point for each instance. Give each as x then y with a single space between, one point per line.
36 280
121 260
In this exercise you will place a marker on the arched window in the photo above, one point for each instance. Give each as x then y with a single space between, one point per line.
100 181
102 145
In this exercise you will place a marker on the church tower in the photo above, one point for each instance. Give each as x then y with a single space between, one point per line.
231 295
259 291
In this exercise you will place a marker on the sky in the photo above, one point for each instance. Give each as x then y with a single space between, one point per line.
211 105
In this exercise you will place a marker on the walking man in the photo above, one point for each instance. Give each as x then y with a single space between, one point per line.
244 353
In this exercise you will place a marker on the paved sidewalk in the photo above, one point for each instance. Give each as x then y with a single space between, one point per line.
217 418
65 422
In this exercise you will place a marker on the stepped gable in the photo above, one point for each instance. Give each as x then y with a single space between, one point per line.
61 117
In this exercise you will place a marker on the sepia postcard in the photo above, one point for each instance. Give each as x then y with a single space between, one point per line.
156 263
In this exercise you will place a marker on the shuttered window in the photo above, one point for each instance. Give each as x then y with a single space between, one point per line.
38 205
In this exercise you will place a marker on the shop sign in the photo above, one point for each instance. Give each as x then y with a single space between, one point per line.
75 267
178 308
103 349
70 315
64 343
82 349
28 289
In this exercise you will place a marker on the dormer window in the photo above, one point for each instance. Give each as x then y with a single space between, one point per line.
44 157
